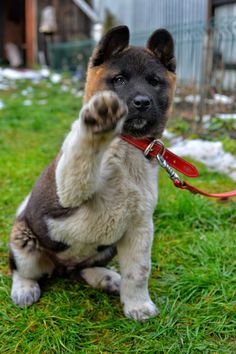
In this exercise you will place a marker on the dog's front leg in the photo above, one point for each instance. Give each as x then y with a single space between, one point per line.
134 251
78 169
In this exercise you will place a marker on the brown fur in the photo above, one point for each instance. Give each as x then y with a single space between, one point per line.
31 225
94 82
172 84
23 237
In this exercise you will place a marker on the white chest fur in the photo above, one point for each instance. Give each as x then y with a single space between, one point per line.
127 195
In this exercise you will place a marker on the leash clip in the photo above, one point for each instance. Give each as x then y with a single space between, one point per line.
149 148
171 173
162 161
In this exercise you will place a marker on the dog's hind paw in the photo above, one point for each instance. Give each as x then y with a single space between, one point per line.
111 283
104 111
102 278
24 292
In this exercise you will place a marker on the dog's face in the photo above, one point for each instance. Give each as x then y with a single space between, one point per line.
143 77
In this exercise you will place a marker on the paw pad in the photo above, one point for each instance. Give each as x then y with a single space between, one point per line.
104 111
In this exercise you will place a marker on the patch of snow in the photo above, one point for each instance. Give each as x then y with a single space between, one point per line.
73 91
206 118
64 88
76 92
192 98
4 86
226 116
2 105
42 102
168 135
27 103
210 153
45 72
223 99
80 93
24 93
217 98
12 74
27 91
55 78
210 101
35 76
177 99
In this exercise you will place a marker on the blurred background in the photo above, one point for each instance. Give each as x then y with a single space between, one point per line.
61 34
44 51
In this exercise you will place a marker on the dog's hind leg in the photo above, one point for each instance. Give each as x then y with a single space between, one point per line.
102 278
28 264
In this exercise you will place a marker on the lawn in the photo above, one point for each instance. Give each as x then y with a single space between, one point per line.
193 278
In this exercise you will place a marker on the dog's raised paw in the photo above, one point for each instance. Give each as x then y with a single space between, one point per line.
104 111
141 312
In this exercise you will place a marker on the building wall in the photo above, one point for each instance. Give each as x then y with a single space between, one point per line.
12 26
146 15
72 23
225 44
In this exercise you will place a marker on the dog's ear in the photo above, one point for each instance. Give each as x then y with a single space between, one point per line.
113 42
162 45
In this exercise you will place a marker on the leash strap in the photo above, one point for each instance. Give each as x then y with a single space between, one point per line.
168 160
194 190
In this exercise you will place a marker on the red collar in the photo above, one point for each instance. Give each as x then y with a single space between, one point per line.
155 149
152 148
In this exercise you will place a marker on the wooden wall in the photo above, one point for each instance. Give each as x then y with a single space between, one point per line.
19 24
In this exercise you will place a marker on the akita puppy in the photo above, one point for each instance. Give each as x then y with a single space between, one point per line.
98 195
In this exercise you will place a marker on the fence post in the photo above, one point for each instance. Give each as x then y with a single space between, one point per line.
206 69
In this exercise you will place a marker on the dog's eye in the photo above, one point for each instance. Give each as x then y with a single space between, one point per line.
153 81
119 80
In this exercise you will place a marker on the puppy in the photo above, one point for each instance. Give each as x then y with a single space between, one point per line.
97 197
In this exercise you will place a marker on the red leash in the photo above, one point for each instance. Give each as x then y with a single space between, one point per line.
153 148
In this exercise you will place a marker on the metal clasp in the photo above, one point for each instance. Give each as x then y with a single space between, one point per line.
163 163
171 173
149 148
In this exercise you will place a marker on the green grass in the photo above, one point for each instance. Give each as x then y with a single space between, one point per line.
193 278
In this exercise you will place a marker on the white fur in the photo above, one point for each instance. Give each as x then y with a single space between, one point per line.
22 206
78 174
31 264
24 291
102 278
134 251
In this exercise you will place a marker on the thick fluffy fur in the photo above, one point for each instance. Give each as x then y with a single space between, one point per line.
97 197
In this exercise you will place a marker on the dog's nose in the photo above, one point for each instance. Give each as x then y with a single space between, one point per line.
142 103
